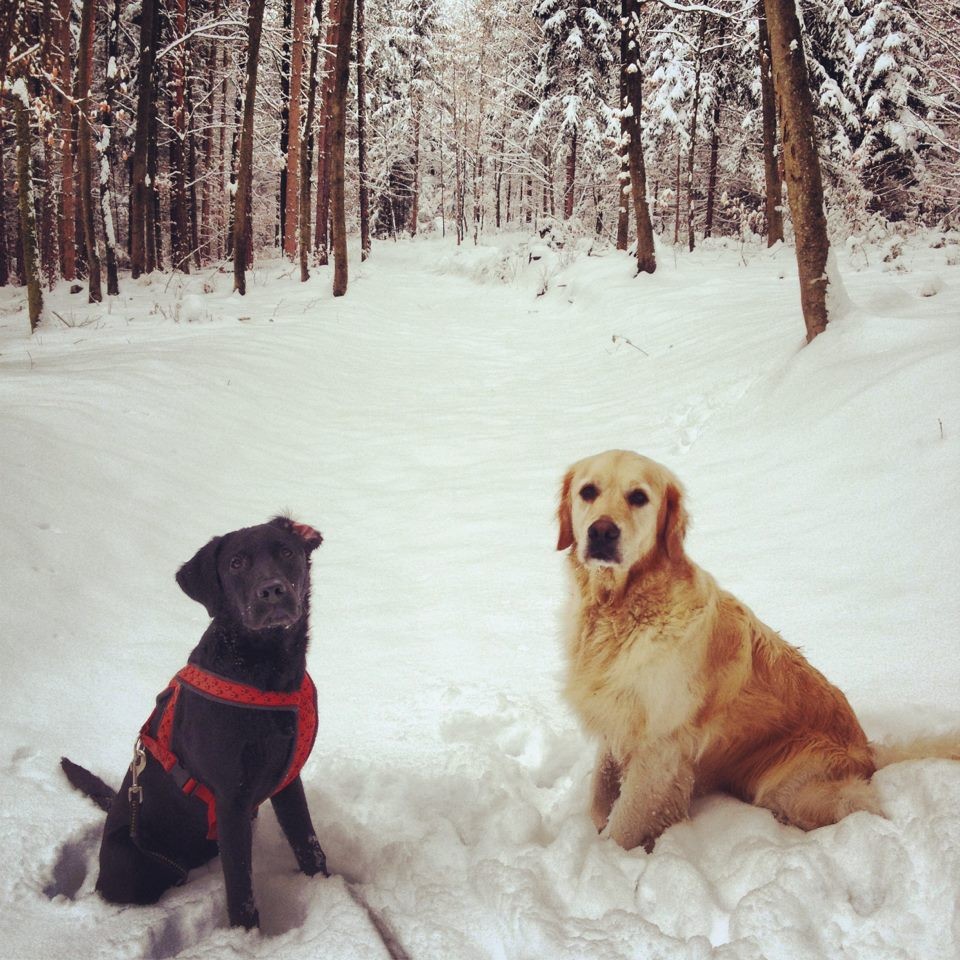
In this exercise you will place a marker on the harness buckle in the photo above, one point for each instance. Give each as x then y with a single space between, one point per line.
137 766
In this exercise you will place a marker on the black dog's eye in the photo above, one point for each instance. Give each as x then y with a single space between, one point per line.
286 552
589 493
236 562
637 498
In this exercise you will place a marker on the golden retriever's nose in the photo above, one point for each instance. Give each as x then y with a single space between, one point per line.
603 537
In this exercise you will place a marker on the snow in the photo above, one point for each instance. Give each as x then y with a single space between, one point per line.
423 423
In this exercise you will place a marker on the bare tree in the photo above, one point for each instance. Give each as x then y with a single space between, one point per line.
362 132
105 148
773 191
633 102
141 192
801 162
180 231
241 236
306 158
88 20
294 146
68 190
338 125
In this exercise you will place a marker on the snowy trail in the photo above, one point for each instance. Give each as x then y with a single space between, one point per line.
423 423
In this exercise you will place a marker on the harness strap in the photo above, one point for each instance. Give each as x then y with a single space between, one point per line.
215 687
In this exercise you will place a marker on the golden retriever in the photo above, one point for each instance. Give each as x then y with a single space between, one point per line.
686 689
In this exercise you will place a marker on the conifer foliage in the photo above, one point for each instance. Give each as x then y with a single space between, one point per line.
145 136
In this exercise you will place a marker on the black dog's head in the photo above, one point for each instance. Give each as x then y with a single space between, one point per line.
259 576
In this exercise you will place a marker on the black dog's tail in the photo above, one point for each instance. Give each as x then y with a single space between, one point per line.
88 783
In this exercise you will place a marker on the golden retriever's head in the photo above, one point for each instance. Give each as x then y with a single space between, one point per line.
619 508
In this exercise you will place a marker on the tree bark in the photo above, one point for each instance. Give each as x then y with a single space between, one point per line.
85 148
715 132
415 162
321 240
68 190
771 167
48 229
105 149
8 16
800 161
570 185
180 232
140 194
306 158
294 146
28 218
4 263
338 132
633 85
245 160
362 134
694 115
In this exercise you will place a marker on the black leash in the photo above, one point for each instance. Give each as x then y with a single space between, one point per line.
135 795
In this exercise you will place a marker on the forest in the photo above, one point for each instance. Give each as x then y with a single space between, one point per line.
132 132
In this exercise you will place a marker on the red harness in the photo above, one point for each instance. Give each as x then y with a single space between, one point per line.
303 701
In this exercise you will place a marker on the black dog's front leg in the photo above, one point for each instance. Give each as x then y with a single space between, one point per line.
236 841
290 806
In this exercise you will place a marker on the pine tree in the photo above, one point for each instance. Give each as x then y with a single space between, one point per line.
575 59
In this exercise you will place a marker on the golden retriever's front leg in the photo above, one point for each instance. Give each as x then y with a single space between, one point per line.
606 788
654 794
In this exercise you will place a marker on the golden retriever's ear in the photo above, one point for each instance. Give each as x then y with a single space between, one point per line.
673 521
564 516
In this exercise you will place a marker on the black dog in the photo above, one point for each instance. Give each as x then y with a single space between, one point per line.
233 728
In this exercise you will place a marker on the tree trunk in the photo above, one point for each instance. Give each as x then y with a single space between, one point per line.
85 148
4 263
415 162
205 244
48 229
338 136
800 161
321 240
362 135
28 217
306 153
677 192
105 149
292 220
623 174
771 166
68 189
715 132
694 114
633 86
180 233
241 216
140 193
570 186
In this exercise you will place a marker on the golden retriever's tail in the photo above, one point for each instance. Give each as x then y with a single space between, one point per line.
943 747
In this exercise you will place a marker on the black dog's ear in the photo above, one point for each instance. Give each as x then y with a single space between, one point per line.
311 538
198 577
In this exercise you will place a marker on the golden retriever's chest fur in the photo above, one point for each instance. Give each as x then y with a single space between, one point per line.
634 679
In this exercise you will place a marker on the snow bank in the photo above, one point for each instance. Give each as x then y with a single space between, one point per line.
423 423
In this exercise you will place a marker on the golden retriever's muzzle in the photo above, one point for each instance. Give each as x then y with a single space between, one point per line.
603 541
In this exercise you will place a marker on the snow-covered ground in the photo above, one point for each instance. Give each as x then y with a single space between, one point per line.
423 423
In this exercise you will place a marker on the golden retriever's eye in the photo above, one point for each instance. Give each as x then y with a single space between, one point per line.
637 498
589 493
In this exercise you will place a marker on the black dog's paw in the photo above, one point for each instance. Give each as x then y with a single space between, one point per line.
311 858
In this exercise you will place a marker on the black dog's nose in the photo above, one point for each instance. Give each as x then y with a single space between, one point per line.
271 591
603 532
